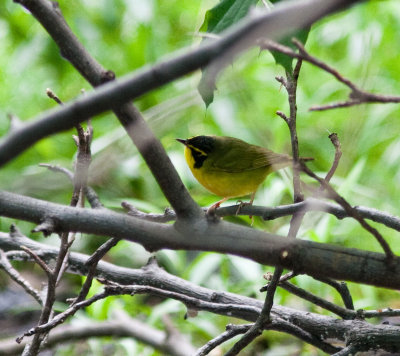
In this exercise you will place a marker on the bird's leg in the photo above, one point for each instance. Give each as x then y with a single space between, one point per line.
251 203
241 204
252 198
212 208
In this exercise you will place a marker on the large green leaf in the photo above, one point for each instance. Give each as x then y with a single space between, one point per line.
284 60
225 14
218 19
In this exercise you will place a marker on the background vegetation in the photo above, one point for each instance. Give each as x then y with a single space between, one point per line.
124 35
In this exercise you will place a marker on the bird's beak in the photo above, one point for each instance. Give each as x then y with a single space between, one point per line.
182 141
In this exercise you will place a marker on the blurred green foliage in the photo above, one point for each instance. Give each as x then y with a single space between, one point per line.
126 35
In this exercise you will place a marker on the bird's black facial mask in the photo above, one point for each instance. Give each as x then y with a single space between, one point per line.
200 147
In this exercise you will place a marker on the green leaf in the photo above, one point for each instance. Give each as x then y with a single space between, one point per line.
206 87
218 19
284 60
226 14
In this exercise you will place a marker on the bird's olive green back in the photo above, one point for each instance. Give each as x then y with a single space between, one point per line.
234 155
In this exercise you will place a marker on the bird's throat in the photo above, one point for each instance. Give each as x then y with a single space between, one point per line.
194 157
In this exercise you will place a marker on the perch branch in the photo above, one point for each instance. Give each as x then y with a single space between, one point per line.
336 262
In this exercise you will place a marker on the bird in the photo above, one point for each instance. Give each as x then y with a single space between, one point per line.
230 167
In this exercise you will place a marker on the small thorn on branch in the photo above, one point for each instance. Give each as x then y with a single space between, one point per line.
47 227
283 116
53 96
282 81
15 122
168 215
15 232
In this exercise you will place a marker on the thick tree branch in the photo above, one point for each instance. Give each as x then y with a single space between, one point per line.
307 257
311 324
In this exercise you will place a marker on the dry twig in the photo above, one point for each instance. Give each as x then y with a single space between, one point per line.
357 96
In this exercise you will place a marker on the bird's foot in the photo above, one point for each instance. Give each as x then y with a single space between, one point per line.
211 211
241 205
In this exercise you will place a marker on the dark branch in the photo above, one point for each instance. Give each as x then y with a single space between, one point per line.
351 212
302 293
315 259
16 277
338 153
131 328
341 288
231 331
223 303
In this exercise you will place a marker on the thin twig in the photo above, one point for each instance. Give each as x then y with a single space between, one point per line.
58 169
357 96
263 319
302 293
16 277
90 193
300 333
338 153
347 351
92 262
351 212
38 260
60 318
388 312
128 327
342 289
287 277
230 332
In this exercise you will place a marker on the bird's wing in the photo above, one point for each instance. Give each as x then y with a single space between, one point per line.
239 159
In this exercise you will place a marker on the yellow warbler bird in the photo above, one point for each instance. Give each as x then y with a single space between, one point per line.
229 167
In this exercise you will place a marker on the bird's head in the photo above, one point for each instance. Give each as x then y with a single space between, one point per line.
198 147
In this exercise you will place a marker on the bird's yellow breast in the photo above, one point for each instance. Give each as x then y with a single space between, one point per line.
226 184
